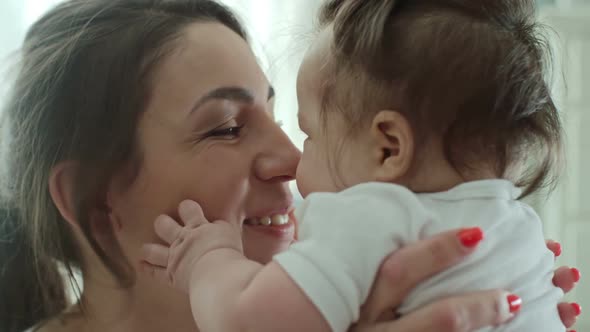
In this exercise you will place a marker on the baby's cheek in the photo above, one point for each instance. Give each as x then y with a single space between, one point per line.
304 183
313 175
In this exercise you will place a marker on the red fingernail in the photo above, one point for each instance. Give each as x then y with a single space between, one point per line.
557 249
577 274
470 237
514 303
572 331
577 309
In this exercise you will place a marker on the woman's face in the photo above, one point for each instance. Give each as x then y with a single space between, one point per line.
209 135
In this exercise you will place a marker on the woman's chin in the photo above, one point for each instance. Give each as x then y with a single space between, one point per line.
262 246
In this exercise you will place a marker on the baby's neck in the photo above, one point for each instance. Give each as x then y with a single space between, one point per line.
437 174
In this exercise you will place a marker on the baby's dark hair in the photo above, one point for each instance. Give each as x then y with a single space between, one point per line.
472 73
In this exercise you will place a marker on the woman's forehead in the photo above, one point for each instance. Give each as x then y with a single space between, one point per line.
208 56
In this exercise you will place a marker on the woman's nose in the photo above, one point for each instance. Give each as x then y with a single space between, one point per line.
278 158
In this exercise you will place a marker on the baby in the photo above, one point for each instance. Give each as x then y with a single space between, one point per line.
421 117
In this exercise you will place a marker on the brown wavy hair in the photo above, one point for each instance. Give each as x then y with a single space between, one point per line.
473 73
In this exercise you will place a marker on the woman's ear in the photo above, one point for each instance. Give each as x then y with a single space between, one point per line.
61 187
395 143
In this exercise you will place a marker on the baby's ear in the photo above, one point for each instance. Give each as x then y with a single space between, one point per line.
394 144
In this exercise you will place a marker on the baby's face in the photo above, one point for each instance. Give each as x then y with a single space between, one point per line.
332 160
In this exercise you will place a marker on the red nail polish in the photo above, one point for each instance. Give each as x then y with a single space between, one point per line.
470 237
577 274
572 331
577 309
557 249
514 303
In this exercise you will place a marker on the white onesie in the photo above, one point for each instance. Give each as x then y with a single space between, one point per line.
344 237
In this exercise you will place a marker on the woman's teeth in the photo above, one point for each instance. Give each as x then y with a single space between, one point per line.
275 220
265 221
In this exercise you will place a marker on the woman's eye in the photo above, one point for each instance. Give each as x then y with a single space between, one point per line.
230 132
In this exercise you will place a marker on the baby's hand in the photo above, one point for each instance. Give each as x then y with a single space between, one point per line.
186 245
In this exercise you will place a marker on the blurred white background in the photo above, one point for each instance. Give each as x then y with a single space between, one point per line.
280 31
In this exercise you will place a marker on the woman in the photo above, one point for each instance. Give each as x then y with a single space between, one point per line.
124 108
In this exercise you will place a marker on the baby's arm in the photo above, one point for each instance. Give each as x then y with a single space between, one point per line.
249 297
227 291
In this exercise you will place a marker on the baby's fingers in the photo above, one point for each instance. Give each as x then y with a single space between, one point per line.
167 228
156 272
191 214
155 254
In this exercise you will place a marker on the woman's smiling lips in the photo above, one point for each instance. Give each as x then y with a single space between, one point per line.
279 223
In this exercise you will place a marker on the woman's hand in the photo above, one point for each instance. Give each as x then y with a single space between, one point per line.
566 278
467 312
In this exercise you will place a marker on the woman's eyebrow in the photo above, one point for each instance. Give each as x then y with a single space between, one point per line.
232 93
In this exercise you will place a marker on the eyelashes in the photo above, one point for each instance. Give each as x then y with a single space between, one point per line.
230 132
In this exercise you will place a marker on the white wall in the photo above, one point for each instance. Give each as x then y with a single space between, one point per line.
566 215
11 32
15 17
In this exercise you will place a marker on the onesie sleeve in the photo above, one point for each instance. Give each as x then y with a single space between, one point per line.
343 238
